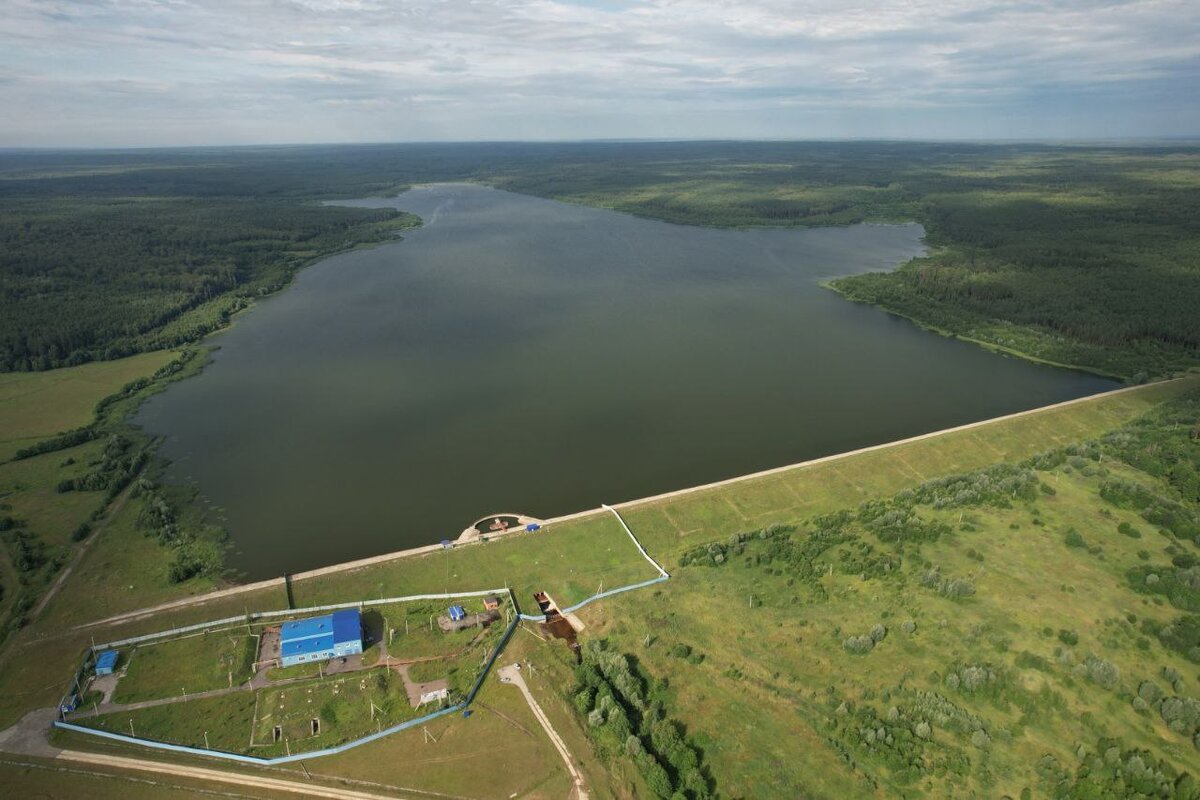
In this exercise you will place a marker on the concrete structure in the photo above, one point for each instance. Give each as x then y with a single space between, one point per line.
334 635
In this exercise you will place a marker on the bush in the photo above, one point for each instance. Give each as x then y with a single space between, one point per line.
1099 671
1125 529
859 645
1069 638
1073 539
1150 692
952 588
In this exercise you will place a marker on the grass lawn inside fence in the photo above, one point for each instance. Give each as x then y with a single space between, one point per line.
188 665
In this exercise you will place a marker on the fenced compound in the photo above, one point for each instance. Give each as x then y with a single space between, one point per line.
262 616
217 625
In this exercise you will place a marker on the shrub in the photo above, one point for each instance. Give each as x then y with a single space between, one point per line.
1126 529
952 588
1073 539
859 645
1099 671
1069 638
1150 692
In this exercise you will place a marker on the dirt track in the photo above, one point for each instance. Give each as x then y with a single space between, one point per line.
219 776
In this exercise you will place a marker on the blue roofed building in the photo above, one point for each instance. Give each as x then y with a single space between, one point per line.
304 641
106 662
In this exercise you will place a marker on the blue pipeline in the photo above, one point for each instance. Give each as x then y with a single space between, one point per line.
595 597
199 751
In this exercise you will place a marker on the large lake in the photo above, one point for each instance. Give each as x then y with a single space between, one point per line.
522 355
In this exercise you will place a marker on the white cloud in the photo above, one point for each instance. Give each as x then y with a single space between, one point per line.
121 72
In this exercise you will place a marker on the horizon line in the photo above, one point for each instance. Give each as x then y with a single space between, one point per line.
1056 141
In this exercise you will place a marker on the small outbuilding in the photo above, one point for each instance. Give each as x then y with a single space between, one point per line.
106 662
491 602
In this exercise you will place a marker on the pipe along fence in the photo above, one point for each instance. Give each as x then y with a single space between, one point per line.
518 616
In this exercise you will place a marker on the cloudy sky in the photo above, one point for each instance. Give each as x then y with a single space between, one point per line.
164 72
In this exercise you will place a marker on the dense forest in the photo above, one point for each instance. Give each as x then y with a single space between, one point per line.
1077 255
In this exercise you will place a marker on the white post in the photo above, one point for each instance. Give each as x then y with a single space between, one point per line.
206 747
131 733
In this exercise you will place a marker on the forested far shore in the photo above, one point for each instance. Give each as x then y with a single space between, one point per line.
1076 255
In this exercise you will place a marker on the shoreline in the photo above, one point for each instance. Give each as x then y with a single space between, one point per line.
547 525
986 345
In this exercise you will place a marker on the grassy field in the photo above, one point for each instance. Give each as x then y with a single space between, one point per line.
570 562
54 502
37 405
228 719
188 665
500 751
1045 656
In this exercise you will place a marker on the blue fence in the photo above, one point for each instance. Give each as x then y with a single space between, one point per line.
600 596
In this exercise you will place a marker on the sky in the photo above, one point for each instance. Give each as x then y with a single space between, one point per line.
114 73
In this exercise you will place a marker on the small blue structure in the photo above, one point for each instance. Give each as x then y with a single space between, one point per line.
106 662
334 635
531 527
457 613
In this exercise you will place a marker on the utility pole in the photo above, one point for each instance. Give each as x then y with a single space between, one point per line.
131 733
206 747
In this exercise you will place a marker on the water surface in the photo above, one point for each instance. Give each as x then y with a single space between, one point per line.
522 355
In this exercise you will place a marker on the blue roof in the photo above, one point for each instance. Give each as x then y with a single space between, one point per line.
346 625
316 634
107 660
